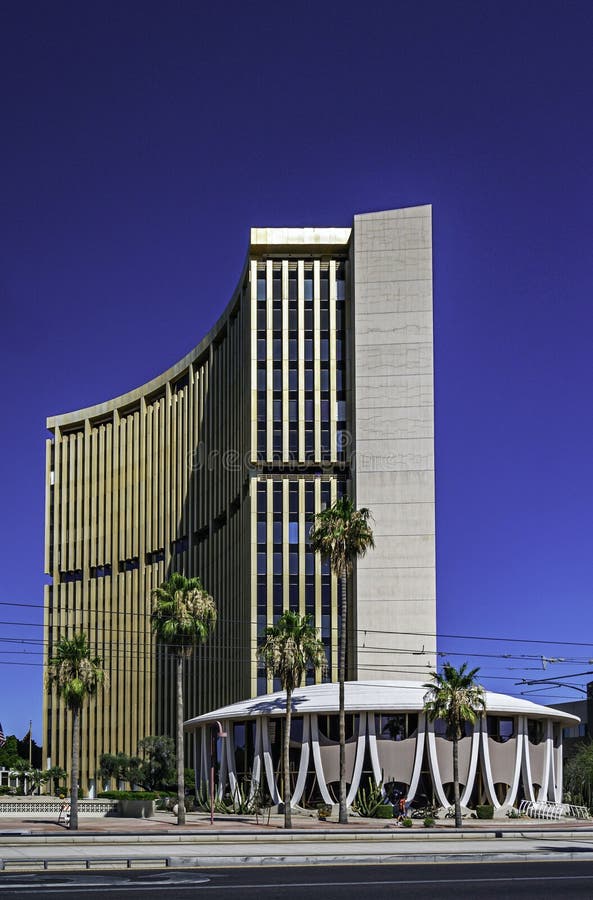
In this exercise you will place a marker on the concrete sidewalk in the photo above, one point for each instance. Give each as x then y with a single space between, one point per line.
30 845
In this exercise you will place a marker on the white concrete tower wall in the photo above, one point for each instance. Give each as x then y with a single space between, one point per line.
395 606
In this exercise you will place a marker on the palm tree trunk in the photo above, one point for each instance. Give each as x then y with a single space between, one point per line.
343 817
75 769
286 763
180 754
458 822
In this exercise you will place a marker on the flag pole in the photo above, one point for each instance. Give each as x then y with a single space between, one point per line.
30 729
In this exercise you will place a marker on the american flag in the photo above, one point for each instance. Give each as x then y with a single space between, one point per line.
2 737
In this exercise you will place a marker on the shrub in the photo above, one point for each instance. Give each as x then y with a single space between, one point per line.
368 801
407 822
428 822
385 811
486 811
128 795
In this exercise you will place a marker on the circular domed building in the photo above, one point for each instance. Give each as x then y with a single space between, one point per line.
514 752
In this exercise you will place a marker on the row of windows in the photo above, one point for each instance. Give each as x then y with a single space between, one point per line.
293 380
293 349
293 494
293 410
293 318
308 282
293 563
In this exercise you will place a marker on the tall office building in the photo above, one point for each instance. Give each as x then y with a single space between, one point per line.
316 381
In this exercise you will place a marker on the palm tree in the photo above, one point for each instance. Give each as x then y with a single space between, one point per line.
342 533
184 614
289 648
454 696
76 676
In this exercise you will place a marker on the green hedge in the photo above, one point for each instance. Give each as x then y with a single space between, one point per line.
385 811
485 812
128 795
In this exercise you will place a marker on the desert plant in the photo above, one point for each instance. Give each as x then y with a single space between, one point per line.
368 800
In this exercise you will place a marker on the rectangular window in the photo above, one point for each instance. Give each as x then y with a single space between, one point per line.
293 380
262 564
261 349
293 561
277 286
277 532
277 349
292 285
261 532
293 532
277 563
308 284
261 286
261 379
261 318
277 379
180 545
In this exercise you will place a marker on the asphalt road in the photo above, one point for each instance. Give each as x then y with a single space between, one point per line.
482 881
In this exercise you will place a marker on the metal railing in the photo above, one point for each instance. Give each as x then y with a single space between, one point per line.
551 811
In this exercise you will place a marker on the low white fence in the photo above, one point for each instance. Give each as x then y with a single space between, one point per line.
550 811
51 808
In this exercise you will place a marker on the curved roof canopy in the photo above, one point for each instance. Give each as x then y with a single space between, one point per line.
380 696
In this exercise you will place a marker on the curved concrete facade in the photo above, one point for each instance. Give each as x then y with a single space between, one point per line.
316 381
513 753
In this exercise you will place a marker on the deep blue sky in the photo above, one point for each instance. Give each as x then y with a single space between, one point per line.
141 140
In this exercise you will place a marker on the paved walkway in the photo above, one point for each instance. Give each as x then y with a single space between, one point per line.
30 844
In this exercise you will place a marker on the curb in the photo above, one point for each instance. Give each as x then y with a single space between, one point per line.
201 862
